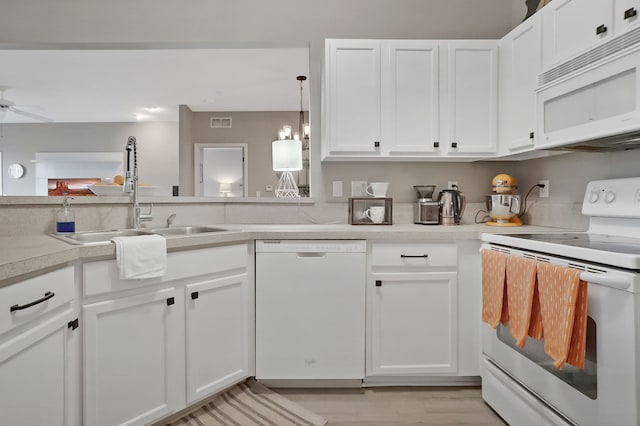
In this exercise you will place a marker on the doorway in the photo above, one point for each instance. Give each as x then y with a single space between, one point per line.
220 169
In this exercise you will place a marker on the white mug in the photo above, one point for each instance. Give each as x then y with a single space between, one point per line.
377 189
375 213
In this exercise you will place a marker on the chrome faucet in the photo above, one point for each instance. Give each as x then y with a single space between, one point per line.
131 184
170 220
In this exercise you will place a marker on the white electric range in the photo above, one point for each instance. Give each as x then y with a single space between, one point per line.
522 385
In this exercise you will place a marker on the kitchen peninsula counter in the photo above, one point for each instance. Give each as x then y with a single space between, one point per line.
20 255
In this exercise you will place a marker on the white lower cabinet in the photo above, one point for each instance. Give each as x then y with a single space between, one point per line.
38 362
133 360
152 347
412 310
413 324
218 334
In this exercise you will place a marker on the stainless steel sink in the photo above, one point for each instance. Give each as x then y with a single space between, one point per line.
101 237
97 237
184 230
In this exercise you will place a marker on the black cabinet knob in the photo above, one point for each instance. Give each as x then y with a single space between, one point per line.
376 144
531 135
454 144
601 29
630 13
171 301
194 295
436 144
378 283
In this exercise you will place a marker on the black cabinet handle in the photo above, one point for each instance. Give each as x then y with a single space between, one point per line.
601 29
194 295
454 144
404 256
376 144
378 283
73 324
48 295
630 13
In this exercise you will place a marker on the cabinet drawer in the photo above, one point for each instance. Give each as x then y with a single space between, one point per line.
103 276
413 255
51 290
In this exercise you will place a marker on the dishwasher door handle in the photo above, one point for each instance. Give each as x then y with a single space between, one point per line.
311 255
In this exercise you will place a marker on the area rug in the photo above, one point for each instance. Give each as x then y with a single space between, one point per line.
247 404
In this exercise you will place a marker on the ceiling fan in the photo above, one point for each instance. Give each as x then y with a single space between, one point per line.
9 106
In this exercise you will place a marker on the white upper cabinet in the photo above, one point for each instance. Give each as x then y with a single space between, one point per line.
410 94
352 82
520 63
573 26
410 99
625 15
472 94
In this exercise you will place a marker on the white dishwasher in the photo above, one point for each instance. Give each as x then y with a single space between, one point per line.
310 302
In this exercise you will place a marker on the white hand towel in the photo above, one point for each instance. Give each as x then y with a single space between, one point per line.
143 256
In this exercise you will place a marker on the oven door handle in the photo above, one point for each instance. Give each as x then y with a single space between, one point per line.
621 283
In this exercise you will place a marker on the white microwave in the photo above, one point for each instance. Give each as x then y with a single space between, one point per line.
595 106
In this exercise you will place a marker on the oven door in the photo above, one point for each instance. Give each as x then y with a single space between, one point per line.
606 390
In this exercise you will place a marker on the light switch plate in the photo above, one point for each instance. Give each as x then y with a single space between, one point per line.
337 188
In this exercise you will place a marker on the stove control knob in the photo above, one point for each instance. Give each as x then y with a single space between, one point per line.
609 197
593 197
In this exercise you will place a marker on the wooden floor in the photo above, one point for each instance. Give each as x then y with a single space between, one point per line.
397 406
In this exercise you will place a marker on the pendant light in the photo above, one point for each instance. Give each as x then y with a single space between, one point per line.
287 153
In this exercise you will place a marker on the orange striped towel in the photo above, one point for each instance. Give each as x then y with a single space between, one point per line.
521 283
494 299
563 303
535 323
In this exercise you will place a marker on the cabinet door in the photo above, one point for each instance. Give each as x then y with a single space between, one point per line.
218 333
133 358
573 26
352 97
37 375
410 98
520 60
625 15
413 324
472 94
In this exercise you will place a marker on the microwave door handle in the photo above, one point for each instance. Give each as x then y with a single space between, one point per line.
620 283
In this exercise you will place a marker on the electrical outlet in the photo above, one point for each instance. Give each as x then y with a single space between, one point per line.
544 192
452 184
268 188
358 187
337 188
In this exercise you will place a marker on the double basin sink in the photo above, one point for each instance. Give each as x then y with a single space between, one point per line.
100 237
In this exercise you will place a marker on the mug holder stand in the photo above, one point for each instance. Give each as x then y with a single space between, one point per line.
358 205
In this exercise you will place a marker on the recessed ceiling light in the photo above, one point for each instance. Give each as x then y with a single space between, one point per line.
141 117
153 108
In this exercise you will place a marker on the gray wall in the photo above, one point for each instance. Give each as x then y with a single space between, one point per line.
257 129
156 144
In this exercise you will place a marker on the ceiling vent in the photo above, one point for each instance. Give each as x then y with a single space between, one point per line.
220 122
591 56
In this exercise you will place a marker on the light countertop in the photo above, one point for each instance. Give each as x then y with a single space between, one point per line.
27 254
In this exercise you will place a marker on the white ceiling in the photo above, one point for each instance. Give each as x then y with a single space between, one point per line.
117 85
